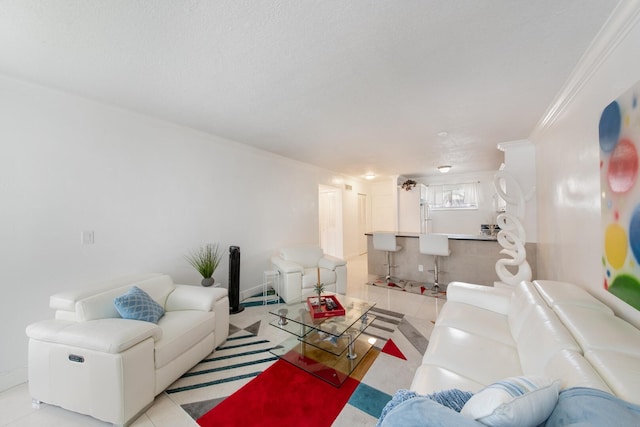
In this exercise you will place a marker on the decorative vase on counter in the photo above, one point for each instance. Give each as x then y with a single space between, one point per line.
207 281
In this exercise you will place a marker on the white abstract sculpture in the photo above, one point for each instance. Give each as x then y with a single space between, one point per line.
512 236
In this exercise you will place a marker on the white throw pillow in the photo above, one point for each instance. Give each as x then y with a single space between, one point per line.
516 401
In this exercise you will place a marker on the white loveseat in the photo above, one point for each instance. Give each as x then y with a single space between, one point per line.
298 268
92 361
545 328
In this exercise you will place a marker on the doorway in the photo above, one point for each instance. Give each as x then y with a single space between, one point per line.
362 223
330 220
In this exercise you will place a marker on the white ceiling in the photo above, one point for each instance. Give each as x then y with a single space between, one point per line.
349 85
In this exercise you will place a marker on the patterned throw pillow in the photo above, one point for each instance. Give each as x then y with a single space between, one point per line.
515 401
136 304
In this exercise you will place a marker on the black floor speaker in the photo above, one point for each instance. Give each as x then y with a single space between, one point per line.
234 280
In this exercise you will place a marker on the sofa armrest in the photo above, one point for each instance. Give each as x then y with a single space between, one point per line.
287 266
189 297
105 335
330 262
487 297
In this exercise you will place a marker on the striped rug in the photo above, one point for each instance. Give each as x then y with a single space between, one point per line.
246 354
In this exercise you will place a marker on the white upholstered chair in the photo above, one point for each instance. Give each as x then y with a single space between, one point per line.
299 267
436 245
383 241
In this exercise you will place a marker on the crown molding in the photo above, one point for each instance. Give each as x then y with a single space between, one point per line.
504 146
623 18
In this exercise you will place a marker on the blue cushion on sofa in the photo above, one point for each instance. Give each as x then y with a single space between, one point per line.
453 399
581 406
136 304
421 411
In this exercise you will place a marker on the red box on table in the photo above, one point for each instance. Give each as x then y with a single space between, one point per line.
321 312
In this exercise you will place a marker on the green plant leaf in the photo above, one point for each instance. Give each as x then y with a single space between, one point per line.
205 259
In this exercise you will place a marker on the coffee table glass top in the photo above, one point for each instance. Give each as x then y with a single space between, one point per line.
298 314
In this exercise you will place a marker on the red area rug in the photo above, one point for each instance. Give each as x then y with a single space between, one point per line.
391 348
282 395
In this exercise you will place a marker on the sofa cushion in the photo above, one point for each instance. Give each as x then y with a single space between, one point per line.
66 301
523 299
181 330
106 335
310 277
574 371
432 378
100 305
595 329
542 336
519 401
619 370
559 293
305 256
158 287
476 320
188 297
136 304
481 296
476 357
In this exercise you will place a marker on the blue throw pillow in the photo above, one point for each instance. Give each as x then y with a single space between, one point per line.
424 412
453 399
136 304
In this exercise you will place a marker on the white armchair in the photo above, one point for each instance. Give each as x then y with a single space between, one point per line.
298 269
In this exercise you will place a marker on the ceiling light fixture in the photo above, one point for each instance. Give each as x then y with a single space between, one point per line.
370 176
444 168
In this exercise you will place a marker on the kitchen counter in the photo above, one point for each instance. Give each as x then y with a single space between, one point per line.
480 237
473 259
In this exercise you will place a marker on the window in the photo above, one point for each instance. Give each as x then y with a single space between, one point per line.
453 196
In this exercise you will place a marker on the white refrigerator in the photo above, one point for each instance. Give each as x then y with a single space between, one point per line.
413 210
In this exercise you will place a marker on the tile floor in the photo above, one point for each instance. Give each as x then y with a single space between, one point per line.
15 403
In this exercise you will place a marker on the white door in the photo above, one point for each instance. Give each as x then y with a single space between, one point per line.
330 220
362 223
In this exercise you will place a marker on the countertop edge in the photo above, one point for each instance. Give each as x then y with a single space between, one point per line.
477 237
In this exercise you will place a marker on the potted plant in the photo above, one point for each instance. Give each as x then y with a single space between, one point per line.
206 260
319 289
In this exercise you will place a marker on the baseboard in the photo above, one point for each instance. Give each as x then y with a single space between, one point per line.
12 378
248 293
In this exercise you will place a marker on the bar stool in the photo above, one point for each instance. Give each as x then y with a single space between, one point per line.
386 242
436 245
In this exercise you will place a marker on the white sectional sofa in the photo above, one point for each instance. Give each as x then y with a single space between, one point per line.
92 361
541 328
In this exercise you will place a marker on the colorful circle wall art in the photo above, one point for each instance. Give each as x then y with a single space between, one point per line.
619 136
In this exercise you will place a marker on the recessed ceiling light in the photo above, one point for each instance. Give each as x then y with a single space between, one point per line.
370 175
444 168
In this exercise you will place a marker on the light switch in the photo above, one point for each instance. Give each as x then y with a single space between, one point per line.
87 237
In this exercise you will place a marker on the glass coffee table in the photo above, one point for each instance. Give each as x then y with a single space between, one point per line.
329 348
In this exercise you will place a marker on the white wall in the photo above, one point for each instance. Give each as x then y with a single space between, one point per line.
150 191
568 158
384 204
